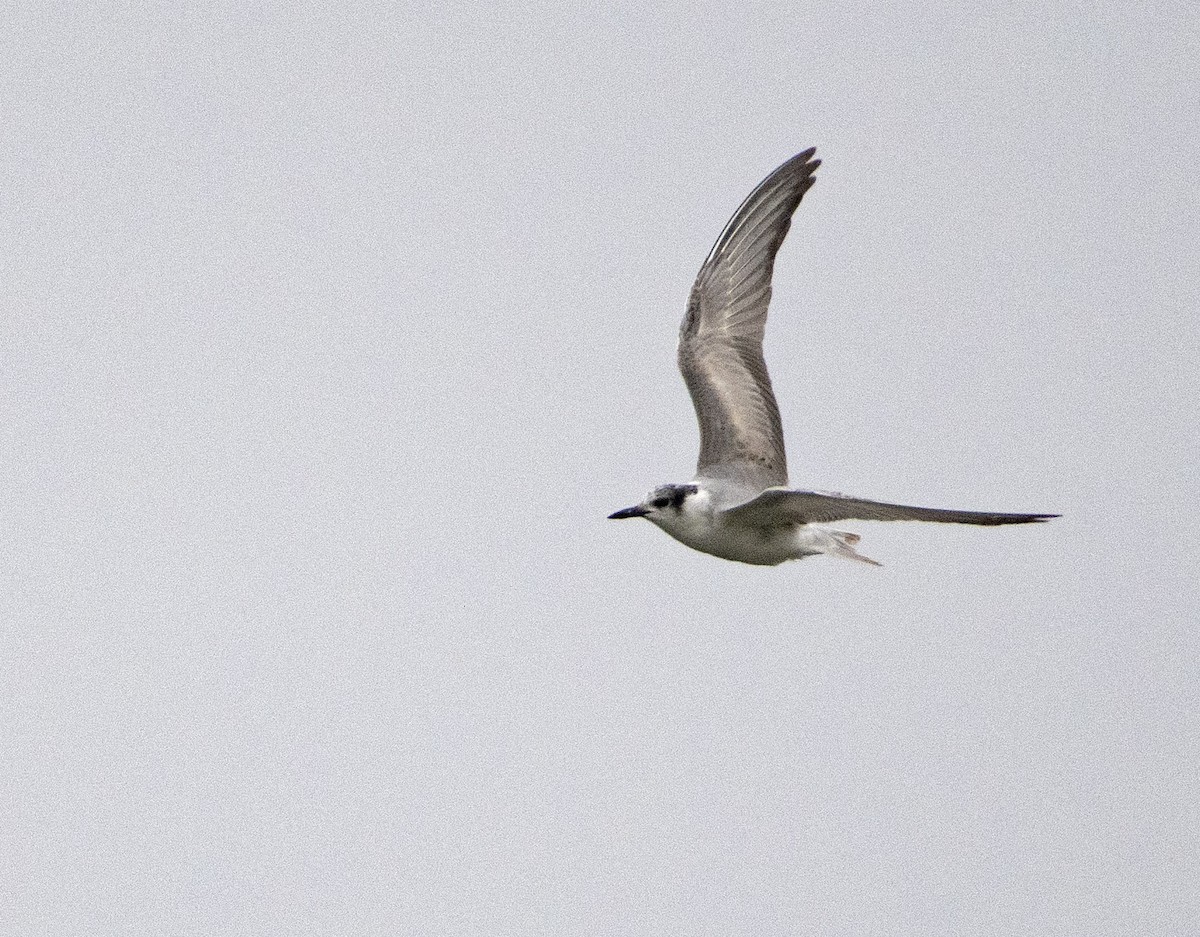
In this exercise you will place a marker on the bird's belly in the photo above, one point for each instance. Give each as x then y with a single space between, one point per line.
757 546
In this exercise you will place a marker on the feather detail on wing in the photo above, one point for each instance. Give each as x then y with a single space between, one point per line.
777 506
720 340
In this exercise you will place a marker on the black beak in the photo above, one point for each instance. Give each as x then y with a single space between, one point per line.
622 514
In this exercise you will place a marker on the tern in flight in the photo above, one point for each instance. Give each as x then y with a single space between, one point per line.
738 505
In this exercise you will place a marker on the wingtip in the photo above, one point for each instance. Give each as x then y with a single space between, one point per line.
998 520
805 158
1001 519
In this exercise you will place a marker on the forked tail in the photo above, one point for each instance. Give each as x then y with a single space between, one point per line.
841 543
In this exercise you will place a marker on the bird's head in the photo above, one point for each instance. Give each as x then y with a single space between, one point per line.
664 504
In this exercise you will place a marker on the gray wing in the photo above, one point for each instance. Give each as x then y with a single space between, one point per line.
720 341
782 505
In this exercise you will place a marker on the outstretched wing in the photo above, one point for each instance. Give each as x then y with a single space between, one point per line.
782 505
720 341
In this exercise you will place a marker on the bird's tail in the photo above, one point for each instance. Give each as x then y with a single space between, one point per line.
841 543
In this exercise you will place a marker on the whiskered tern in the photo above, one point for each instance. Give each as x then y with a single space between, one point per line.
738 505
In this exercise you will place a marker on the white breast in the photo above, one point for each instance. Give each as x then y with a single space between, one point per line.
698 525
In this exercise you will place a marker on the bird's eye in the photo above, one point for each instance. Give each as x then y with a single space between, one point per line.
661 502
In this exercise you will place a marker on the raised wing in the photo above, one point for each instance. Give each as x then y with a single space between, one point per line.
777 506
720 341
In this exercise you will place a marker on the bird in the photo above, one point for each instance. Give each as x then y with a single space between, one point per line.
738 506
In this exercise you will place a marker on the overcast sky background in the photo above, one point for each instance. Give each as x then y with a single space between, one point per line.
330 335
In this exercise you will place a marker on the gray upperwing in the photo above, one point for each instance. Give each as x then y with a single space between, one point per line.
777 505
720 340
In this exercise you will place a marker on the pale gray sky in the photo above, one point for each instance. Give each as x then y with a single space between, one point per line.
331 335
